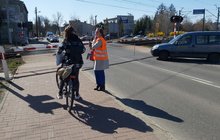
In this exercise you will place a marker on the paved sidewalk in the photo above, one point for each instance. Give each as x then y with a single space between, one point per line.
30 110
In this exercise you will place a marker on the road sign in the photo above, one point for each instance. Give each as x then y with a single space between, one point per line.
198 11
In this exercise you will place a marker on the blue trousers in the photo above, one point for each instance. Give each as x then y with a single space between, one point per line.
100 77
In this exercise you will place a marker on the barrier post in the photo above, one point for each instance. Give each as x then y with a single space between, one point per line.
4 64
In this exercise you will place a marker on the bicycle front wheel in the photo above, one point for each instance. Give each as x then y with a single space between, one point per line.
58 77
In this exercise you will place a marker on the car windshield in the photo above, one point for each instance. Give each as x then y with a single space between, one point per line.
175 39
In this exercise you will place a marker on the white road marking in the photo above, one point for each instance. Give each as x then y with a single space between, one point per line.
199 80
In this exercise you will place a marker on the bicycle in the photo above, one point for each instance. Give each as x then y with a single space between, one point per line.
69 88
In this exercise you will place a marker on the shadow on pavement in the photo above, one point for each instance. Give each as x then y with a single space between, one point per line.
107 119
15 85
37 102
147 109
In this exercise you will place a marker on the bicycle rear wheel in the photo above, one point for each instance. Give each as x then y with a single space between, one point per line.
70 96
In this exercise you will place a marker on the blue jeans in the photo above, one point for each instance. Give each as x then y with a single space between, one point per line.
100 77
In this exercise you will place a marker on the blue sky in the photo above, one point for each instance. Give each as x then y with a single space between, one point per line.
83 9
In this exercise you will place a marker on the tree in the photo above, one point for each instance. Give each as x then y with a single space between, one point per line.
172 11
58 21
162 18
47 25
209 25
41 26
187 25
143 25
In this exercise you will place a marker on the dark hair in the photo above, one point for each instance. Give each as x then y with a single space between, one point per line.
101 32
69 33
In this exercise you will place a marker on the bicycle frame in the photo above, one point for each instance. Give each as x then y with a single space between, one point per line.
69 88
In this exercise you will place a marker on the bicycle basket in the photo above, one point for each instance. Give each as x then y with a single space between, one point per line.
60 71
67 72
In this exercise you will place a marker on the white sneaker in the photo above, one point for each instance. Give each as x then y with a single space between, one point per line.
59 96
78 97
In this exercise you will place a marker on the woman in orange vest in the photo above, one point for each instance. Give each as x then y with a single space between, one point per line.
101 61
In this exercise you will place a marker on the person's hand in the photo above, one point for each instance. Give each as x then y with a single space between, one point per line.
90 45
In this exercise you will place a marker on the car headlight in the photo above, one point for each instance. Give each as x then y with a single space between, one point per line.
155 47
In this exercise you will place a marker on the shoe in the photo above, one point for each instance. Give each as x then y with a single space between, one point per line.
102 88
97 87
59 96
77 97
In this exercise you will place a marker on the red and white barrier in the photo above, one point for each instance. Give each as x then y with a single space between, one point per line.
46 47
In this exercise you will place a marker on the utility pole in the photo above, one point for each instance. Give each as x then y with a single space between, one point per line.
203 25
178 24
36 22
95 19
8 23
217 26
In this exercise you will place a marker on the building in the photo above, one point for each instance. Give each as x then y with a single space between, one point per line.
82 28
120 25
13 28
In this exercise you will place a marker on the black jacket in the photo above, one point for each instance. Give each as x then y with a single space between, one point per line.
73 51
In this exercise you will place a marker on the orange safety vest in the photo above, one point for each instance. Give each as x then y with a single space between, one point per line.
100 53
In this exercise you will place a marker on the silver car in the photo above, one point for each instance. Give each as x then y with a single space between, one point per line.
192 45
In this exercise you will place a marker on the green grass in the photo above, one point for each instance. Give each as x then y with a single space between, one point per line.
14 63
1 92
1 96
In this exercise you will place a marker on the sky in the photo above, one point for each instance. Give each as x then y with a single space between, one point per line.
84 9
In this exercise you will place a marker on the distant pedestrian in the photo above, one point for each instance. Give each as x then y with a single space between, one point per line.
101 61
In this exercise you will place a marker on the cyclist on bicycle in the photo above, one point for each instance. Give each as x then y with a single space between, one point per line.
74 49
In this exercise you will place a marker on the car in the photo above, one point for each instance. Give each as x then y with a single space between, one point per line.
108 37
86 38
138 37
53 38
49 33
200 44
126 36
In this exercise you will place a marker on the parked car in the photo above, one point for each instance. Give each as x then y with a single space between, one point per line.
53 38
138 37
86 38
192 45
108 37
49 33
126 36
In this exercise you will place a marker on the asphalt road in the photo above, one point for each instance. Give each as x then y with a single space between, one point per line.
181 96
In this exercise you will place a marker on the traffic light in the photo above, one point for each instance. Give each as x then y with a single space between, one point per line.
176 19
